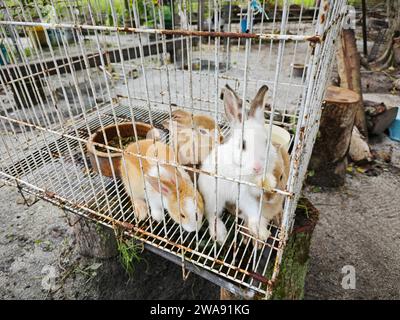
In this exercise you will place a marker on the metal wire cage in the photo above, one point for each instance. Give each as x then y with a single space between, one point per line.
70 69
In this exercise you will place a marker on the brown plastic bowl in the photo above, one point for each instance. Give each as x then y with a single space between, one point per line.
126 130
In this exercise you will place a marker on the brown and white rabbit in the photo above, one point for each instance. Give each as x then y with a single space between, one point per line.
272 204
184 204
239 159
192 146
272 201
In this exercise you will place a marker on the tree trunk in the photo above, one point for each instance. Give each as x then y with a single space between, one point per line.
349 65
93 239
329 157
388 55
396 50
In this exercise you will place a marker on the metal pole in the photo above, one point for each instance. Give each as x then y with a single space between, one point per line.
364 27
200 15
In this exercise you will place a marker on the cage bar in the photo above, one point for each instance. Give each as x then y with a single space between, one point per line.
71 69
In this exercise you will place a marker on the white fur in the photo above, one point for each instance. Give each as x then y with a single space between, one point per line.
256 136
190 209
157 205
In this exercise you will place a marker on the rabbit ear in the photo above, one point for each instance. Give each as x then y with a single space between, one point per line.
257 106
180 114
165 188
232 104
167 181
168 123
181 118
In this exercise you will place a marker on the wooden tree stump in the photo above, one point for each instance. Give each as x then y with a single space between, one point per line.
294 266
349 67
93 239
329 159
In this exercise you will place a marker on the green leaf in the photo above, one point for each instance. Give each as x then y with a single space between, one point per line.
316 189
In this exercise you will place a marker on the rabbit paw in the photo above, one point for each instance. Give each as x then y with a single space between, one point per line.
260 238
220 233
157 214
269 182
260 230
140 208
264 234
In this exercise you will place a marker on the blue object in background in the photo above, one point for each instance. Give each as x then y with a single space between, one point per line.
4 54
243 25
258 8
394 129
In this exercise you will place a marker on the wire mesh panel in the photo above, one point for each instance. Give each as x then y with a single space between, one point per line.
189 124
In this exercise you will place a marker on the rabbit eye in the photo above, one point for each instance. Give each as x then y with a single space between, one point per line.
182 215
243 145
203 131
281 177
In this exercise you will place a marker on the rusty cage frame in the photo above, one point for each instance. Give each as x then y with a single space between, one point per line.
70 68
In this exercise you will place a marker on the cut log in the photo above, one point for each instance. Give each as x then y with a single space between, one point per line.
349 65
93 239
329 157
350 78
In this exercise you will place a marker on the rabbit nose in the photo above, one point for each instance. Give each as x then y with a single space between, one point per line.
257 167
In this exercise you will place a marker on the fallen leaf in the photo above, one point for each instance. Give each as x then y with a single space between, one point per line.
94 266
360 170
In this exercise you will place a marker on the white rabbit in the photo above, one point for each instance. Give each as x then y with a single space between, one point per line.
254 150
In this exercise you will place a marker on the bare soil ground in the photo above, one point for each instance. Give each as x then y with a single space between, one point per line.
359 226
37 245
